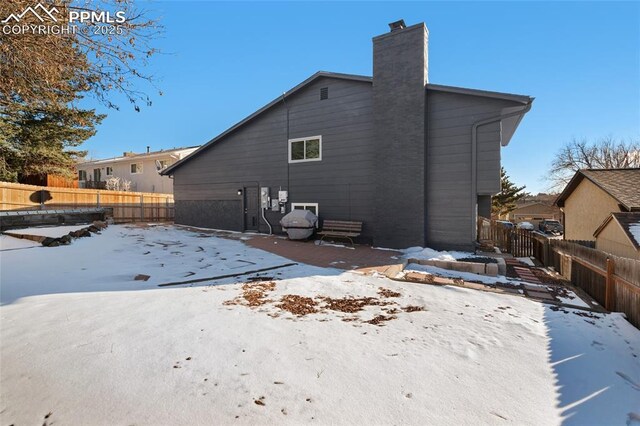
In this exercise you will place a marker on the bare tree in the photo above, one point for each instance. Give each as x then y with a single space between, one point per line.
605 153
44 76
43 69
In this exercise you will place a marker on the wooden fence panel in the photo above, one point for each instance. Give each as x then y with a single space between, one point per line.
518 242
627 289
127 206
595 271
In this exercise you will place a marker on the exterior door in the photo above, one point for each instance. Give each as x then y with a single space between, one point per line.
251 211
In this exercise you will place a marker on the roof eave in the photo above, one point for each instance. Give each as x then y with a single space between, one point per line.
523 99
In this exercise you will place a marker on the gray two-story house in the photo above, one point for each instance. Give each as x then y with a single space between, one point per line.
416 162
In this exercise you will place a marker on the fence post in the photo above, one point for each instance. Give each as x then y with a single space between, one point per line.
141 207
610 286
546 248
98 199
42 195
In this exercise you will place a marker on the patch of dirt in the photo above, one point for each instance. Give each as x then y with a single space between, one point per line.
257 279
378 320
385 292
478 260
350 305
412 308
298 305
253 294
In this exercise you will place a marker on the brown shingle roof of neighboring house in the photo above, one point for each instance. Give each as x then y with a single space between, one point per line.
626 221
621 184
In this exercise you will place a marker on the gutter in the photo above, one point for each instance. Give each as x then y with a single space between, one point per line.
474 155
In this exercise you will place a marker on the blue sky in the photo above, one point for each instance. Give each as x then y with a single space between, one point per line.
222 61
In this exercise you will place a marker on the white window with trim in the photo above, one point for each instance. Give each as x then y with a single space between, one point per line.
109 171
312 207
136 168
163 164
305 149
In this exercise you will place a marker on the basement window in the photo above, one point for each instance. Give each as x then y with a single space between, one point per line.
305 149
312 207
136 168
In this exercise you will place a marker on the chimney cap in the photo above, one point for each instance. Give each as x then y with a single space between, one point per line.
397 25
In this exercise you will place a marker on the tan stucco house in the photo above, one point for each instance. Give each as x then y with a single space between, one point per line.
619 235
592 195
142 170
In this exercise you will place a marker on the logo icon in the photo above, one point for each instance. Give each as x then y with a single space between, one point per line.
43 13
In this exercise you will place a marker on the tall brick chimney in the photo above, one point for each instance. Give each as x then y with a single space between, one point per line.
400 75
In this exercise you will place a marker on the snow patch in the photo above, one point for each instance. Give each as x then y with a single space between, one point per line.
467 276
49 231
8 242
73 315
635 231
426 253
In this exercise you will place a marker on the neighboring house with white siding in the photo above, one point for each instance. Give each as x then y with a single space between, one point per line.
142 170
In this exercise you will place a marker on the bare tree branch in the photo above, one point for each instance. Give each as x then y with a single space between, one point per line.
605 153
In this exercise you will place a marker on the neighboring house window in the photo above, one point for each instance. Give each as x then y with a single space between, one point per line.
163 164
109 171
312 207
82 175
96 175
305 149
136 168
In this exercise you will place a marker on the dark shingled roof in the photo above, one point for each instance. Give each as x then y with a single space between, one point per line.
621 184
625 219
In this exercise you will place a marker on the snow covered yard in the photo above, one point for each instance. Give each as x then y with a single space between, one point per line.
82 342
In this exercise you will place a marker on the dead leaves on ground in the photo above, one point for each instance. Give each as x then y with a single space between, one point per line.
298 305
254 294
385 292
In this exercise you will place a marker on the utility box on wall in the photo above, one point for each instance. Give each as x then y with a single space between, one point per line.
264 198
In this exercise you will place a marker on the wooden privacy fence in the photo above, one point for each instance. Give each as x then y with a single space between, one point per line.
127 206
612 281
518 242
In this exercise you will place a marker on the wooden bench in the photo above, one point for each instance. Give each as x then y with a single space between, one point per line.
340 229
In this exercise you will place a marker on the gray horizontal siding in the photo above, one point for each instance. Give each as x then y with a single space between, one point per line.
256 154
450 118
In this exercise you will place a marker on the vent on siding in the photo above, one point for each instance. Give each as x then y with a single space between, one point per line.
324 93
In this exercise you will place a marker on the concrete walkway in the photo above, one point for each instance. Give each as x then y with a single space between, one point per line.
326 255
